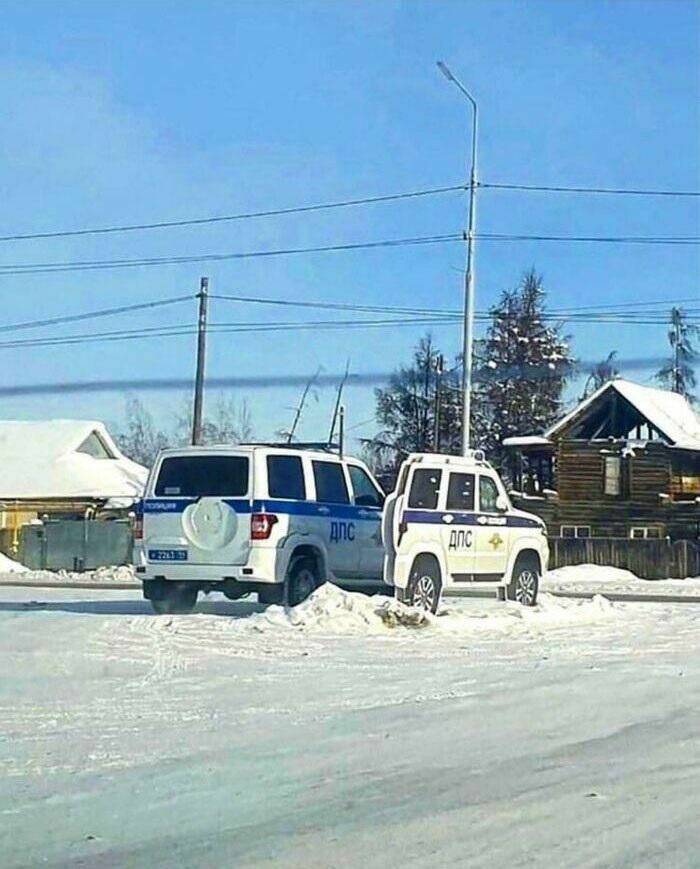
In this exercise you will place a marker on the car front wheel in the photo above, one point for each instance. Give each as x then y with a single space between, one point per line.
524 583
424 586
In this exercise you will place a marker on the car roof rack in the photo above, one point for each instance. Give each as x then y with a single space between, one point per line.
324 447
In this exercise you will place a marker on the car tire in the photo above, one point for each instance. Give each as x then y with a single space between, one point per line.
302 580
424 585
524 582
179 600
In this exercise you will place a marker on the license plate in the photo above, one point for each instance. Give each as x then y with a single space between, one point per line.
167 555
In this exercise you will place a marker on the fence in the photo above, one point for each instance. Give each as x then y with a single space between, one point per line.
649 559
73 544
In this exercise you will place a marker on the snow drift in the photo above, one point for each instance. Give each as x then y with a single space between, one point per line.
332 611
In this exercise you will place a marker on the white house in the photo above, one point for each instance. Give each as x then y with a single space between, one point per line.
64 465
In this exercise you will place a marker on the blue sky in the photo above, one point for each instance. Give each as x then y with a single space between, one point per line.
129 112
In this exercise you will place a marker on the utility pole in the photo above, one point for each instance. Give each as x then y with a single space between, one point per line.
203 296
468 331
676 320
338 398
439 368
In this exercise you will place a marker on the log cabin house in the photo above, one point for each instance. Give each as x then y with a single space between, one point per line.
624 463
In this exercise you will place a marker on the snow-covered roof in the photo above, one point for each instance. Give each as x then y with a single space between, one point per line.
52 459
667 411
527 441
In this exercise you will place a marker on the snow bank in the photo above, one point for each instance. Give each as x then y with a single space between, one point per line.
586 578
7 565
332 611
117 573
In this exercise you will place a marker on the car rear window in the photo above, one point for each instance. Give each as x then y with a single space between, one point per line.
460 493
285 478
202 476
425 489
331 487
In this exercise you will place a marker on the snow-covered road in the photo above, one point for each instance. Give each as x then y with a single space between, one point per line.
493 736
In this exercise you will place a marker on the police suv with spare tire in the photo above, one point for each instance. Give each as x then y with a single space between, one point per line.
449 526
274 520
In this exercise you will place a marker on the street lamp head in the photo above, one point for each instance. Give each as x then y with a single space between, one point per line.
444 69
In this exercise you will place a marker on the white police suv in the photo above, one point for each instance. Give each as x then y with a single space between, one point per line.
449 526
274 520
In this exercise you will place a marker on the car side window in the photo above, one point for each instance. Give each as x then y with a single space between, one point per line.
460 493
425 489
331 487
365 492
488 495
285 478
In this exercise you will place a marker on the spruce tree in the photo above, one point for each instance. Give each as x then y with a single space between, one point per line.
522 368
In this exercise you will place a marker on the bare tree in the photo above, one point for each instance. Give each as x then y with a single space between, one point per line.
229 423
141 440
678 374
602 372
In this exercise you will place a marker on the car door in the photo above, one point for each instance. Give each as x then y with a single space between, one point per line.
368 500
420 519
459 525
391 522
491 533
336 521
198 509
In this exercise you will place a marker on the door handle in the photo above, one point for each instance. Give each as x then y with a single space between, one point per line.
448 517
324 510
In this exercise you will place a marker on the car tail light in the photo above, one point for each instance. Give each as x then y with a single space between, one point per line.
261 525
138 526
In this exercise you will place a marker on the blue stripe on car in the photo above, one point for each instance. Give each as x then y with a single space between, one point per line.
272 505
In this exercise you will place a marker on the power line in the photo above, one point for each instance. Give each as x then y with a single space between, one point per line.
88 315
620 191
185 329
346 203
568 313
88 265
199 221
619 239
189 329
552 313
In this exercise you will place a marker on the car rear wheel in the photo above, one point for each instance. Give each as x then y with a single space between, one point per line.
524 582
424 586
302 581
181 599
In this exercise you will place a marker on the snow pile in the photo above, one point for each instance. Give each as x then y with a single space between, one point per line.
117 573
7 565
332 611
587 578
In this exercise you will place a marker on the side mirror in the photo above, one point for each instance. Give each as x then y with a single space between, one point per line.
501 504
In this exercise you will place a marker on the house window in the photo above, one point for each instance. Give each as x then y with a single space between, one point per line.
612 476
94 446
575 531
645 532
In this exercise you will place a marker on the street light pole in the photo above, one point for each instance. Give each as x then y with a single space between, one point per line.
468 333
